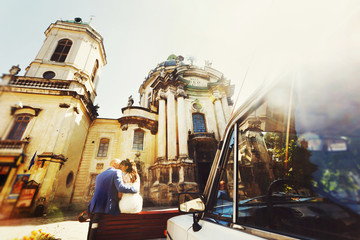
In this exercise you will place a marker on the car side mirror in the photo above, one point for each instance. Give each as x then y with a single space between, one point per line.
191 203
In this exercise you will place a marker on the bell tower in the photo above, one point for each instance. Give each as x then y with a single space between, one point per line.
45 116
72 50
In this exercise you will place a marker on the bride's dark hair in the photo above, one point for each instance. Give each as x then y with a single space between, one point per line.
131 169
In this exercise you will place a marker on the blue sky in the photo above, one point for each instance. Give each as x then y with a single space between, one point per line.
264 38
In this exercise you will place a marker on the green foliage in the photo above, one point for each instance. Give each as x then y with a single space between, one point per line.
291 163
334 170
338 172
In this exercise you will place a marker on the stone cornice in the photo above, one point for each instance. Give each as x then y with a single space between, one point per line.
202 137
137 107
49 156
42 83
142 122
198 73
170 89
223 86
36 110
62 90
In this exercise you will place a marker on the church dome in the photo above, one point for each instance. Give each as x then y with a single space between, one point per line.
171 61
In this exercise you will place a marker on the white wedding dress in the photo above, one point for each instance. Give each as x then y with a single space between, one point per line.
131 202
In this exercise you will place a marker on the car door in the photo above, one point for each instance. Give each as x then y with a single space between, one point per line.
218 221
289 169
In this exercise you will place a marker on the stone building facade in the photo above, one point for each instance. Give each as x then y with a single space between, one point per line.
45 116
53 145
172 135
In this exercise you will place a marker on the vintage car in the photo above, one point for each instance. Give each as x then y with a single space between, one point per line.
288 166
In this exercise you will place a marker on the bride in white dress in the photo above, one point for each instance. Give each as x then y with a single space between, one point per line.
130 202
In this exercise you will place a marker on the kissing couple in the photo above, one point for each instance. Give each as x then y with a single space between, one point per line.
116 191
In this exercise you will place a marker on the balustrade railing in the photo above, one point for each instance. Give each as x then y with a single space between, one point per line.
201 135
16 145
72 86
40 83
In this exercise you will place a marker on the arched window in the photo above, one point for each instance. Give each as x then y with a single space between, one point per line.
103 147
138 142
19 127
69 179
94 71
61 50
149 99
199 122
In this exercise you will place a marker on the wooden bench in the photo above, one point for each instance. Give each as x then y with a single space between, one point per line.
143 225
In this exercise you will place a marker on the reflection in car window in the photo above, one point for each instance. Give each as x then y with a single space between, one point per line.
222 209
299 163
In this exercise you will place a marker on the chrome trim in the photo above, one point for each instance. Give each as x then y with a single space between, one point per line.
235 176
241 112
261 233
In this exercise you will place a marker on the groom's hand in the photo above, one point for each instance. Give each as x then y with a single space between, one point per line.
119 195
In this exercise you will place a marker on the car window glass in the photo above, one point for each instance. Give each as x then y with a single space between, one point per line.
222 205
298 165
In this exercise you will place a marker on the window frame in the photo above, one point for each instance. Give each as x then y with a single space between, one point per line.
204 122
95 70
220 172
136 143
16 133
103 147
149 99
70 179
62 50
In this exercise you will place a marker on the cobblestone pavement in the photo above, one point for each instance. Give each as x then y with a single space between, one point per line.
64 227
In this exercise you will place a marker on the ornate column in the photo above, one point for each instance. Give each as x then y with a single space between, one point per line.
225 106
161 126
219 114
170 174
181 174
171 124
182 129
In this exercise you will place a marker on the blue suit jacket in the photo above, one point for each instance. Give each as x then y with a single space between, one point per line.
107 186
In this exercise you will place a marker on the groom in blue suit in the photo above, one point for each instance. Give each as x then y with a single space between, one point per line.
105 199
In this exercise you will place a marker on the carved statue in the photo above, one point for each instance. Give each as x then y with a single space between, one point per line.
162 73
80 77
130 101
208 63
14 70
191 59
178 60
180 91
